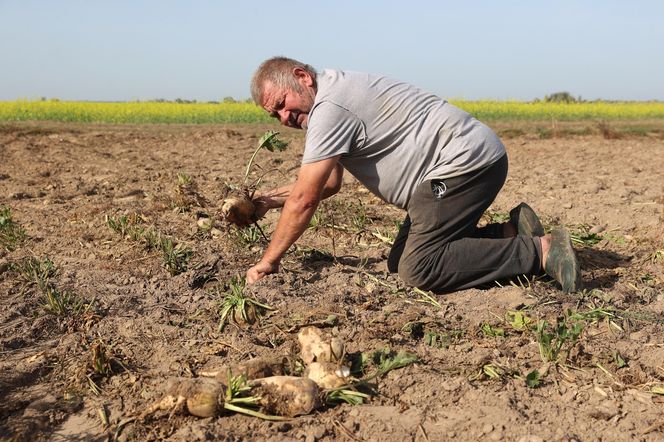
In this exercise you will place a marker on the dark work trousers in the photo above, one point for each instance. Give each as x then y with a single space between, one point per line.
439 246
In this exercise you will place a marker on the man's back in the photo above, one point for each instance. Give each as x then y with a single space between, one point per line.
392 136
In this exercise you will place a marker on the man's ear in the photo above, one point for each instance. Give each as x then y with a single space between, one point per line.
304 76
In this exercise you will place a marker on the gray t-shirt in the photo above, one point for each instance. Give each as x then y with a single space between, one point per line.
393 136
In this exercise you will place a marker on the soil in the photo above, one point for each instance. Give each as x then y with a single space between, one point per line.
62 183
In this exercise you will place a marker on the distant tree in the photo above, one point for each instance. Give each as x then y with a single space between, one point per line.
560 97
228 100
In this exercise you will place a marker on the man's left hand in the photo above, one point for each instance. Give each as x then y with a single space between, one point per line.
260 270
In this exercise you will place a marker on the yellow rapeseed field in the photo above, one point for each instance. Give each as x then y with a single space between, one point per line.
169 112
130 112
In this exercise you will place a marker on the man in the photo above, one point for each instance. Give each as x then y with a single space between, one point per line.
413 150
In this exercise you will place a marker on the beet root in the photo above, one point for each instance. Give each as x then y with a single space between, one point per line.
239 209
287 395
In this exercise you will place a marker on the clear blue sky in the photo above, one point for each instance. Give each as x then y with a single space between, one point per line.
207 50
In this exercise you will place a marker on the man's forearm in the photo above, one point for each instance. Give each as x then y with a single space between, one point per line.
276 198
293 222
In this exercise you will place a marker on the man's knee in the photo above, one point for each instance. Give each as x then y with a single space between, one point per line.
411 277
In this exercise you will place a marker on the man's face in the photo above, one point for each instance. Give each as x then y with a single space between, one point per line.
290 107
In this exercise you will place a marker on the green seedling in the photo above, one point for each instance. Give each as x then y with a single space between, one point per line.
184 179
175 255
657 256
583 237
36 271
359 219
492 332
250 235
496 217
122 224
432 337
518 320
237 307
387 360
270 142
379 363
556 341
317 220
64 303
533 379
11 234
608 314
618 359
437 339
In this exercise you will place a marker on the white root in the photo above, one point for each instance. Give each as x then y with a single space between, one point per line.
287 395
328 375
316 347
202 397
239 209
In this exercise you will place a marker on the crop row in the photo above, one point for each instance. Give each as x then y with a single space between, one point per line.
201 113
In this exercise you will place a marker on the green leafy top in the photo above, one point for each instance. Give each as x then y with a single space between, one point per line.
270 142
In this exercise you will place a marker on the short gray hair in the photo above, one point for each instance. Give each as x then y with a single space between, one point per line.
279 72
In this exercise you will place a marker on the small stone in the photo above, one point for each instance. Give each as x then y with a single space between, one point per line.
496 435
597 229
605 411
487 428
452 384
40 406
204 223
